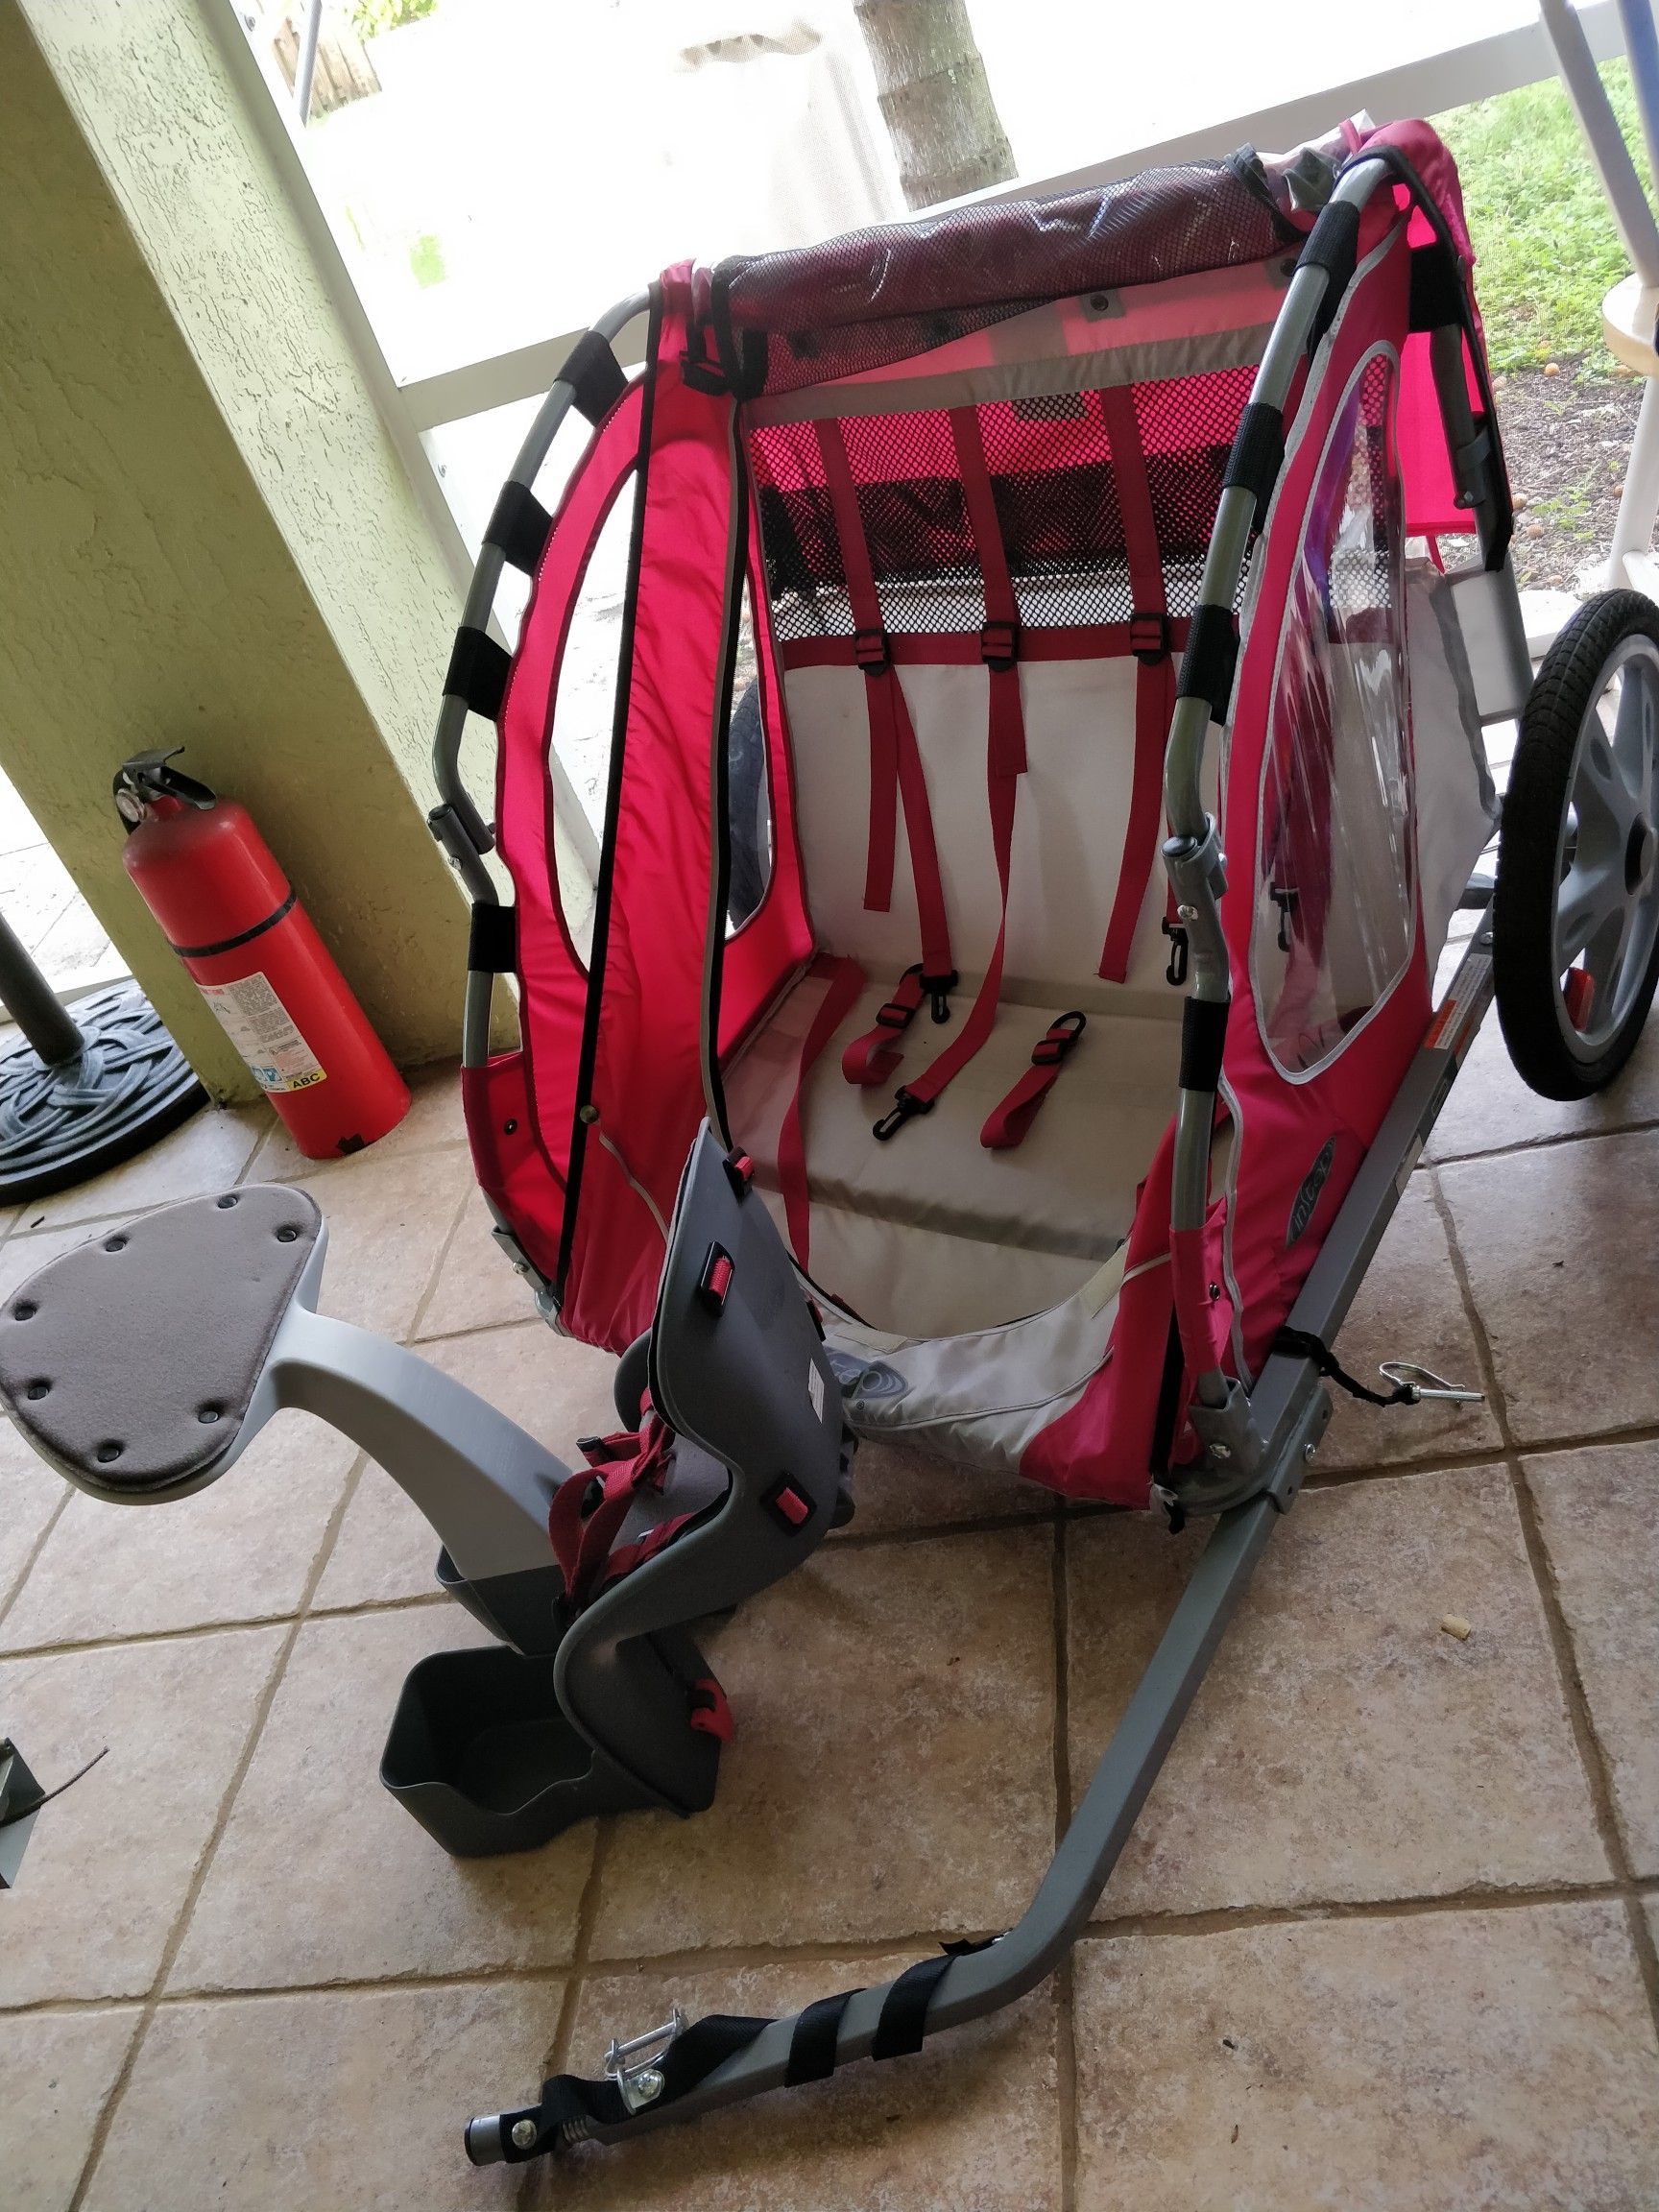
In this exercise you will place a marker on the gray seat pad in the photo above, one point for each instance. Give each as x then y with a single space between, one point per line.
132 1359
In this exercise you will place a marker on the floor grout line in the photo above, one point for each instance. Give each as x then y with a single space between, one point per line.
1214 1920
39 1545
557 2058
1548 1142
1593 1759
262 1711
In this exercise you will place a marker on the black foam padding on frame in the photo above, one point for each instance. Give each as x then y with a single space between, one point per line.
1208 663
1332 245
1436 296
1203 1038
518 525
132 1359
493 940
595 375
1258 455
478 671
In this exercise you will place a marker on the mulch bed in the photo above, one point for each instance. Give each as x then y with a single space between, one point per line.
1567 440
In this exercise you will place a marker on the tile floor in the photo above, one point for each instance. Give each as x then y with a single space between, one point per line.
1384 1937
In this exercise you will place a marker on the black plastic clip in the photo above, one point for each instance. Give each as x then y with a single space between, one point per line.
999 645
1176 971
1287 902
904 1108
939 989
893 1013
872 651
1061 1033
1149 638
739 1172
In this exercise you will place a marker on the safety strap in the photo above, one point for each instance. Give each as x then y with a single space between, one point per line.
1008 1122
571 2105
845 980
1303 1344
582 1526
873 1057
1154 679
895 768
1004 763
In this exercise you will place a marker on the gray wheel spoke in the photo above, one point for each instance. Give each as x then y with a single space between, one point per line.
1591 895
1605 802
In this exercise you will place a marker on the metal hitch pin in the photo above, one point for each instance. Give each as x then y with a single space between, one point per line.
643 2082
1421 1383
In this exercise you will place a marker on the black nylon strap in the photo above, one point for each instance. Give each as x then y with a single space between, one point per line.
595 375
477 672
493 941
568 2098
1332 245
1207 665
1257 454
1302 1343
1436 288
1202 1036
812 2045
903 2021
518 525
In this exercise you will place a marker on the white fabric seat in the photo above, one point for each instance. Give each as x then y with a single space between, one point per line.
931 1231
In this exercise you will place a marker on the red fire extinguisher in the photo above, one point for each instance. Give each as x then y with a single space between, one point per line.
231 916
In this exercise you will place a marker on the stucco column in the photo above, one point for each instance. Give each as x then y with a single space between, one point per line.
206 538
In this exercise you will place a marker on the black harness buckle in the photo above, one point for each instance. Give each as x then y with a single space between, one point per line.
1149 638
904 1108
1062 1034
1176 971
939 989
872 651
999 645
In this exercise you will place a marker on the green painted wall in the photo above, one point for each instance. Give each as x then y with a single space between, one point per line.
271 599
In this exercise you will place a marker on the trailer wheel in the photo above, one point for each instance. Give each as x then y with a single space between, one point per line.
1576 909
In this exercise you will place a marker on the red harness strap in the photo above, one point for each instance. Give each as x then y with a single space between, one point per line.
1007 1122
845 980
1154 683
1004 762
873 1057
581 1541
895 757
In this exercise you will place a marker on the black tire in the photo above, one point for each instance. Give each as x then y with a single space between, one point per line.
1540 842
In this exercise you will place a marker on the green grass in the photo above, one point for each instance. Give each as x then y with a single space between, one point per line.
1544 245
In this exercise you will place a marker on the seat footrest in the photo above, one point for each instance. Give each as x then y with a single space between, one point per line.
481 1753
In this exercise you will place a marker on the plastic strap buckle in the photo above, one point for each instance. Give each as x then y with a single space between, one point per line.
939 989
1149 638
1061 1033
904 1108
898 1013
999 645
872 651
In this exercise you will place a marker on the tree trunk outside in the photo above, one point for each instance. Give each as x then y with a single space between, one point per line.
935 98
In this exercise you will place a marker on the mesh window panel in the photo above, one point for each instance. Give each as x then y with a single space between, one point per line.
1187 425
1055 489
1050 464
916 525
804 580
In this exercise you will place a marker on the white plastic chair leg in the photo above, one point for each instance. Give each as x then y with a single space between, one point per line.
1639 504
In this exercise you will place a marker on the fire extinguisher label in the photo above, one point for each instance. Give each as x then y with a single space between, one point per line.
263 1031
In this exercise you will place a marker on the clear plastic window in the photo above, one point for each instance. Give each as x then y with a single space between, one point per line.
748 788
1334 899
